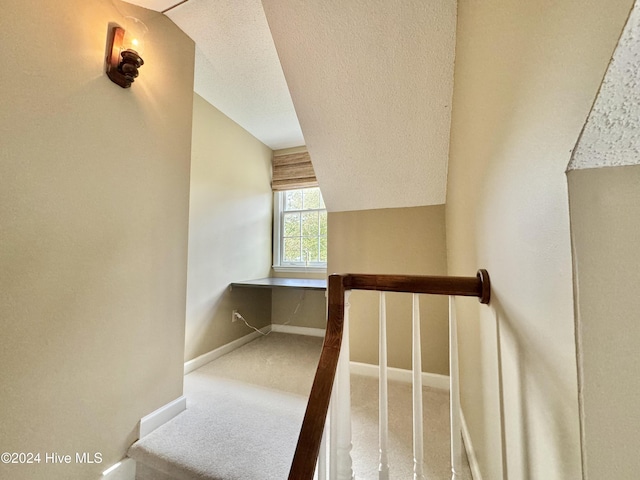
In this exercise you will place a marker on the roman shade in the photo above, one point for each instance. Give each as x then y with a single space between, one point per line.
293 171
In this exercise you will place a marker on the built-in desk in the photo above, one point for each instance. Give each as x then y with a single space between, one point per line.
313 315
274 282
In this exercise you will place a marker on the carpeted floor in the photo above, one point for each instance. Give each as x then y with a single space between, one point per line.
244 412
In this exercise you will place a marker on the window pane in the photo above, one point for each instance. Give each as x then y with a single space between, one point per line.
310 224
310 249
303 227
291 251
293 200
291 225
311 198
323 223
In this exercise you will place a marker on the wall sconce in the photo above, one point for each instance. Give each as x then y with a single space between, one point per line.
124 50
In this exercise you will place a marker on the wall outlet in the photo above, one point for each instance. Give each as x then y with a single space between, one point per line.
234 315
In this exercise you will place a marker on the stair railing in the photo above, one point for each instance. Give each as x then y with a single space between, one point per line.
331 382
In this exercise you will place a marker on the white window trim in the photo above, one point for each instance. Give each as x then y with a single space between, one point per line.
278 207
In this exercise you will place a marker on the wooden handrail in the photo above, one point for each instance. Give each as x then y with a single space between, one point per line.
308 447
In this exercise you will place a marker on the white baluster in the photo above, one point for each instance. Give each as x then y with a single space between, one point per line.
456 437
321 468
383 467
342 423
418 473
333 430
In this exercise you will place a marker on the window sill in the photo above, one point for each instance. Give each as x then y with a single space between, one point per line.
301 269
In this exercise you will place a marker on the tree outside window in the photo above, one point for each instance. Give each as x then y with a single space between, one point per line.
303 228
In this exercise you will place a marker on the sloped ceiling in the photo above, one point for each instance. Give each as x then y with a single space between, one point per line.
371 81
611 135
237 67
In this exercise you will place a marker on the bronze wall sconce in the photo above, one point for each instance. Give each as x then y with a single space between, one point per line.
123 52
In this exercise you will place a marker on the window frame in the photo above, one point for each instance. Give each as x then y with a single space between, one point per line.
278 215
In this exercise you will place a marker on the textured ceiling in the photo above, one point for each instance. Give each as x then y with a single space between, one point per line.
371 81
611 136
237 67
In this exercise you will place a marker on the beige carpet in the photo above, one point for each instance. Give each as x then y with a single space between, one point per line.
364 424
244 412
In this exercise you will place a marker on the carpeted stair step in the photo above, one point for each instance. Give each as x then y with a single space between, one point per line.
237 432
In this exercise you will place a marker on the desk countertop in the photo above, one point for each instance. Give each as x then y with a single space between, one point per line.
273 282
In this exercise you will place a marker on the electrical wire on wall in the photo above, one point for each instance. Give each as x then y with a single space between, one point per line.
288 321
237 315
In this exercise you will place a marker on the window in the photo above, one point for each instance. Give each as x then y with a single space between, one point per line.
300 230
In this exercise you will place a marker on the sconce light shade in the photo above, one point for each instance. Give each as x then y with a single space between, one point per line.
123 53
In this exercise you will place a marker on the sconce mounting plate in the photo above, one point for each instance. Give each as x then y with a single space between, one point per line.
121 68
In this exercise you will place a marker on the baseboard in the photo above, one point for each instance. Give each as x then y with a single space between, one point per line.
292 329
123 470
198 362
471 453
432 380
161 416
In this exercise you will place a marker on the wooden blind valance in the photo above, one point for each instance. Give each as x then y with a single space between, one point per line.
293 171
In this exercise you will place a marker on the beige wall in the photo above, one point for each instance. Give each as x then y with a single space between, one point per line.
605 232
230 219
297 307
393 241
605 226
300 308
526 75
94 192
